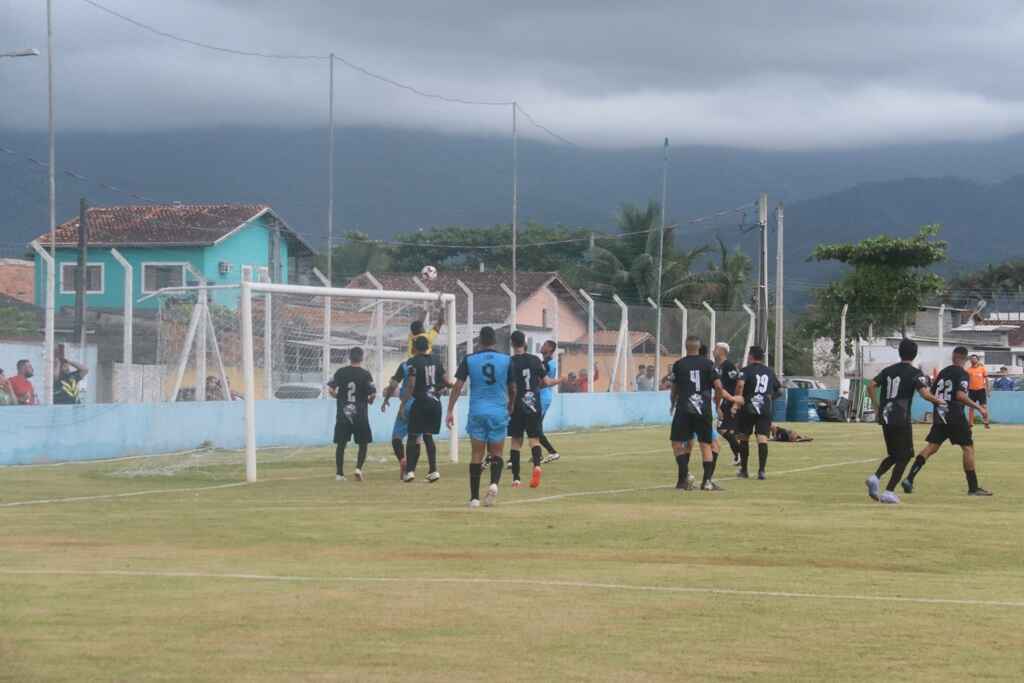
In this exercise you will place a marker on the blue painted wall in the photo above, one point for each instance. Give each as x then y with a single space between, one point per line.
249 246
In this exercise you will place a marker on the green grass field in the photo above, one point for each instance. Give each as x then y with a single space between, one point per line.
604 573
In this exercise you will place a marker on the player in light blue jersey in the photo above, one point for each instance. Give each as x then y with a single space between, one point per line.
491 397
547 394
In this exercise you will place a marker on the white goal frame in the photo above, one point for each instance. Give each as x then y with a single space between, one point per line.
248 288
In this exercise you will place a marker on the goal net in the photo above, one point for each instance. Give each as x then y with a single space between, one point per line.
294 337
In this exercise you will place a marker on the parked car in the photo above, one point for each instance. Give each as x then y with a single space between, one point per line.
802 383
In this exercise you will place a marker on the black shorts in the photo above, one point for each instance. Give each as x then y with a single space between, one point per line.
750 423
357 430
727 417
687 425
425 416
979 396
958 433
523 421
899 441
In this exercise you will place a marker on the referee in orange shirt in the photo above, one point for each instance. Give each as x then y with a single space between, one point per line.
978 386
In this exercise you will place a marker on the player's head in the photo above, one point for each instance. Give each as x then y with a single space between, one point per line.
975 360
355 355
421 345
548 349
487 337
960 355
756 354
908 349
416 327
703 350
518 340
721 351
650 371
692 345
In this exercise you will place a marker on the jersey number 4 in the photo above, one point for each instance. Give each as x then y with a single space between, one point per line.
695 378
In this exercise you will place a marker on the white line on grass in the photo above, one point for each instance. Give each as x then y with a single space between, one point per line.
515 582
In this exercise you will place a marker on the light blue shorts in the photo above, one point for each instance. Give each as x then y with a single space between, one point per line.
487 428
401 428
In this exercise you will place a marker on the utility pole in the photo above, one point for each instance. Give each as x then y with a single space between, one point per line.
661 259
330 175
779 315
51 274
515 194
762 267
82 281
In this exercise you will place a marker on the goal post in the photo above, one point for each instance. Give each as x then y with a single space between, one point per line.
282 294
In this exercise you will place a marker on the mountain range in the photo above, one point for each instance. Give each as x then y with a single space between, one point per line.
390 181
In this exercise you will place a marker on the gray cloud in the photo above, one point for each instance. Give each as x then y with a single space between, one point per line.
783 74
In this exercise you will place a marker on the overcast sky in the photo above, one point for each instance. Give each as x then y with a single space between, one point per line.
777 74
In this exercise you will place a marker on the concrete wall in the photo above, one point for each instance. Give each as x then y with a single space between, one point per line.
34 434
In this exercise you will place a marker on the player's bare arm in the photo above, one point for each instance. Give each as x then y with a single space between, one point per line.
389 391
873 394
963 398
511 397
721 392
737 396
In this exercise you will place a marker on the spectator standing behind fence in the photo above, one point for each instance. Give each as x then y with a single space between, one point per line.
21 387
570 386
68 376
646 381
1003 382
6 393
584 383
640 372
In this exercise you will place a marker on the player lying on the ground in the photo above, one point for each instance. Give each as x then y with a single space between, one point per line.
530 376
491 399
422 407
950 422
788 435
755 389
693 380
899 382
353 386
401 429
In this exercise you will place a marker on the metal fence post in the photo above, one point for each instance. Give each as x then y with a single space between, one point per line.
590 340
513 316
714 322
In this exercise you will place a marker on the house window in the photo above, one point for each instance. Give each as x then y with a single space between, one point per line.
69 278
159 275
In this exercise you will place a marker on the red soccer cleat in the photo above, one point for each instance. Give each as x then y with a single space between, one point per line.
535 478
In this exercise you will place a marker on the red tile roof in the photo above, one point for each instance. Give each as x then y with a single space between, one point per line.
157 225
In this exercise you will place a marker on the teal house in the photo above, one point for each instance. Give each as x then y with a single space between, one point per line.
162 241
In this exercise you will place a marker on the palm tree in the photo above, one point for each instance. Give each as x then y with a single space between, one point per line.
629 265
726 280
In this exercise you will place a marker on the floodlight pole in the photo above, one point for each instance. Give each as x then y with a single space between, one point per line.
590 340
712 331
661 259
330 175
515 197
326 361
51 274
779 312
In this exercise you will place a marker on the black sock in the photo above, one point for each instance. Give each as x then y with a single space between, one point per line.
398 447
919 462
762 456
428 441
972 480
546 444
898 469
683 463
514 457
714 459
497 465
709 471
535 453
339 459
475 469
886 465
744 454
361 456
412 454
733 442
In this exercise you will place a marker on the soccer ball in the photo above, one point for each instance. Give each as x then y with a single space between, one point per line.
429 272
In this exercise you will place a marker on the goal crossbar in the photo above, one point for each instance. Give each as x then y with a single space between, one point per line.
248 288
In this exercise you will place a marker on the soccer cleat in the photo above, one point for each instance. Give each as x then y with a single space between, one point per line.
516 483
339 477
873 485
408 477
979 492
508 464
535 477
735 460
401 469
433 476
359 475
908 486
743 474
486 461
473 504
889 498
550 457
711 486
690 479
491 495
684 485
761 475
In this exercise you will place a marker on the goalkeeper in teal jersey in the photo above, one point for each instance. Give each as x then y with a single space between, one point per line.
492 395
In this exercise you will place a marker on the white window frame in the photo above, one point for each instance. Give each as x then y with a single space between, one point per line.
103 278
164 264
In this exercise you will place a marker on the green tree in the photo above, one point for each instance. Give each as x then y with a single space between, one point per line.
886 285
727 280
1005 278
357 254
18 323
